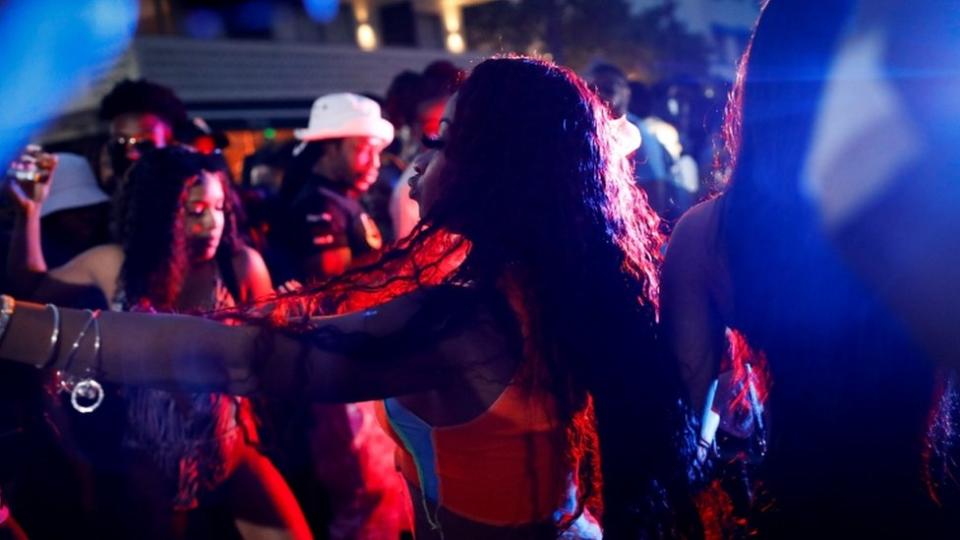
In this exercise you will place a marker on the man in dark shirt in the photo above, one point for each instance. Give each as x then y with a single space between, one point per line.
337 162
335 457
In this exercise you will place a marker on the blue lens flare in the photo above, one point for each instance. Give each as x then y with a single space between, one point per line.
322 11
47 47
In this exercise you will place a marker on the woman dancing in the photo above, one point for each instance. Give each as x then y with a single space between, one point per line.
512 337
178 251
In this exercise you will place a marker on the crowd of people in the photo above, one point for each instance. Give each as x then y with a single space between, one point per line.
489 305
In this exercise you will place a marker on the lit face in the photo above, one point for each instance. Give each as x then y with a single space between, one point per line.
204 217
431 166
357 162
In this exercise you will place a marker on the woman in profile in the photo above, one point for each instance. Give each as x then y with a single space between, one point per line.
512 337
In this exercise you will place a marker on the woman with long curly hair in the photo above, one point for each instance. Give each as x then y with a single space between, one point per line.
861 421
178 251
512 337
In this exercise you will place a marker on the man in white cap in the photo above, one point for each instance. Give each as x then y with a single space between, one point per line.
338 462
339 160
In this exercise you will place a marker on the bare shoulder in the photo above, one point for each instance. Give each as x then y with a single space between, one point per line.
99 266
695 238
111 254
247 260
252 273
695 267
101 263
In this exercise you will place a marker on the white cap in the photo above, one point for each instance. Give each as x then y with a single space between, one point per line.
72 185
337 116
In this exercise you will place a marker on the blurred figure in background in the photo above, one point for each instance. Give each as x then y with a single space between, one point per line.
653 163
262 183
440 80
140 116
684 171
400 109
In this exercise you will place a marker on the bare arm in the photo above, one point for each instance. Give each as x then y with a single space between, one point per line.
201 355
25 261
692 323
97 267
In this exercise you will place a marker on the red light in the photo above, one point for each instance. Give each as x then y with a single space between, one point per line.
205 144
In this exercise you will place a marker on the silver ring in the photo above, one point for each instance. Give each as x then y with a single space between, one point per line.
89 390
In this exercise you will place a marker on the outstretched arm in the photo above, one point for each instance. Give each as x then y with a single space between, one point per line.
195 354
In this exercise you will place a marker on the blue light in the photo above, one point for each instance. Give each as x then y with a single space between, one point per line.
254 15
322 11
46 48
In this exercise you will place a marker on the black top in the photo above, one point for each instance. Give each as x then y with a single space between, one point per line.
323 217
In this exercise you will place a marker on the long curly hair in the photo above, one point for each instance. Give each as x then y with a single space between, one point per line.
150 226
854 405
543 210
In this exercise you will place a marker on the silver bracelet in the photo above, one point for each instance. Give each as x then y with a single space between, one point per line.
87 393
54 335
66 379
7 306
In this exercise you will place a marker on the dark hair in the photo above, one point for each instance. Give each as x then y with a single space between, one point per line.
575 242
143 96
851 394
400 106
440 79
151 226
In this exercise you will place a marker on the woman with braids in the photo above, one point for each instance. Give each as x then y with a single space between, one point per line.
511 337
178 451
862 422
